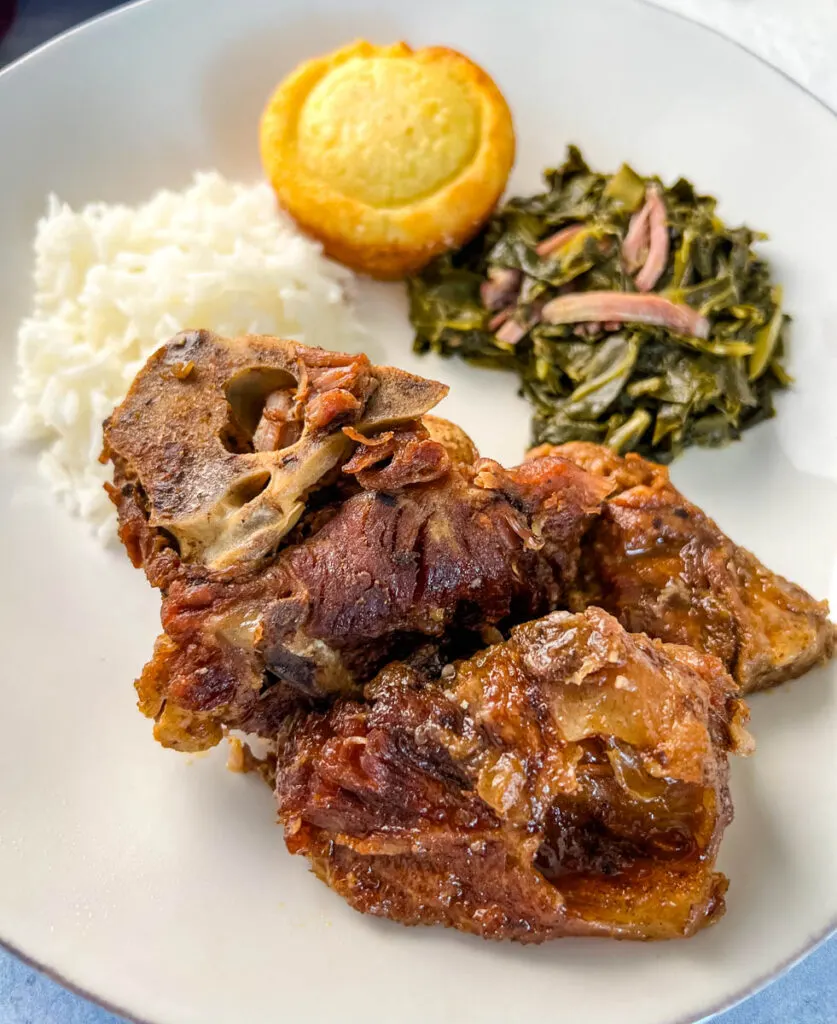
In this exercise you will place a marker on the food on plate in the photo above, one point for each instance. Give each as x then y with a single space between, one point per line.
659 564
113 282
499 699
569 781
343 576
306 526
633 315
402 549
222 440
388 155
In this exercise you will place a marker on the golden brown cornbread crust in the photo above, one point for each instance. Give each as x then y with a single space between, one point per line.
388 241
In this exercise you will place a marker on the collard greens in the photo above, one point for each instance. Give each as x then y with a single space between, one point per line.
636 387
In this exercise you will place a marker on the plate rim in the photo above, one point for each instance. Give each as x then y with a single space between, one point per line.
759 984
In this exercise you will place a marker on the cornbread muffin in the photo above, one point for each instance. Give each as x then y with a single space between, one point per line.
388 155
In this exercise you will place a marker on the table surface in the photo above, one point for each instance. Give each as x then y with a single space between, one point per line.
798 36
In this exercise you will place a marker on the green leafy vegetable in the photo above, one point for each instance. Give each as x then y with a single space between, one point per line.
634 386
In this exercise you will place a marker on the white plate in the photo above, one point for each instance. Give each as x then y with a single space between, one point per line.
159 882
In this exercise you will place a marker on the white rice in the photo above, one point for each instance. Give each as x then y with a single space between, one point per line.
112 283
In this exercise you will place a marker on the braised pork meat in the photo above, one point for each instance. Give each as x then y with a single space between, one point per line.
343 575
221 440
569 781
402 547
412 570
307 524
663 567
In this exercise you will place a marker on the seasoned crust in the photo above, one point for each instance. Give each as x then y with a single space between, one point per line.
387 155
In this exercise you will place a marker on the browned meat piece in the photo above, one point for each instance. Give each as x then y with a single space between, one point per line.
395 540
571 781
389 538
384 572
197 434
664 568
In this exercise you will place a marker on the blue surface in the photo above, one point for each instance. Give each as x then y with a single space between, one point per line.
806 995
